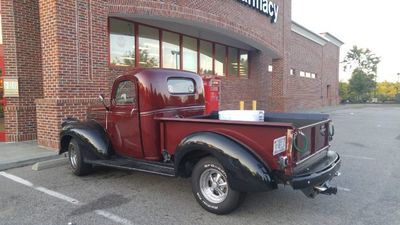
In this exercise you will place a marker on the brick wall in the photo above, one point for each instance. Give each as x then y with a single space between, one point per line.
308 56
21 38
330 70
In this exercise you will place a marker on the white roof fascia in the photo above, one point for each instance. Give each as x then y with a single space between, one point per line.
297 28
334 40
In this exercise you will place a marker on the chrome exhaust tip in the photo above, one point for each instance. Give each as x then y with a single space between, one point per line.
326 189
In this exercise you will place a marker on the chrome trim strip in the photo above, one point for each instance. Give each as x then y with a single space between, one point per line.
315 124
171 109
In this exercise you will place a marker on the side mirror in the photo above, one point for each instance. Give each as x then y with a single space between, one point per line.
102 100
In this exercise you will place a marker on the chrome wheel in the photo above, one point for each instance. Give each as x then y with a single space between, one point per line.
73 156
213 185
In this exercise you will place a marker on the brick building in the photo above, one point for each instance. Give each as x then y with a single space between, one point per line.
64 53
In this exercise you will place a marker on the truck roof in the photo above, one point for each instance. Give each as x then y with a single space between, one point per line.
155 91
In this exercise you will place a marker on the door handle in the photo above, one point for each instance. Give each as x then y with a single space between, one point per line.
133 110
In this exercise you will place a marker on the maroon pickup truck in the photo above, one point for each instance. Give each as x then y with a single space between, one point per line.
155 123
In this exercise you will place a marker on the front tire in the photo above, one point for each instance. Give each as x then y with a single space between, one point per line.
75 156
211 188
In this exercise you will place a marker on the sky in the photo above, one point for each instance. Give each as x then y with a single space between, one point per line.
366 23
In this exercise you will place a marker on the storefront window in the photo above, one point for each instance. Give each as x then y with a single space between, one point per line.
122 43
199 56
171 54
220 57
189 54
232 61
206 57
149 47
244 63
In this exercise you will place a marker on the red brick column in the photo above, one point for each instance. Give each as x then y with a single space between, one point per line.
74 48
278 99
21 39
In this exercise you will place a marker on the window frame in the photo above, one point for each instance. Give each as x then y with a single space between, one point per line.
114 97
181 35
182 93
135 31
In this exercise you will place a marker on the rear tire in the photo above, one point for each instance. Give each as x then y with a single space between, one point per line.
211 188
76 161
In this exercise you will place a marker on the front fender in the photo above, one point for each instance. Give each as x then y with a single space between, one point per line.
91 136
245 171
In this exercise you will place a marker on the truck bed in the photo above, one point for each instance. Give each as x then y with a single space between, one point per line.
258 136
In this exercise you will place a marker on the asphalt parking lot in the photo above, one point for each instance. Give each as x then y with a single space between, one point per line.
367 137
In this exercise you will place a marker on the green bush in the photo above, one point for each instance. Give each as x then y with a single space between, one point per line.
1 111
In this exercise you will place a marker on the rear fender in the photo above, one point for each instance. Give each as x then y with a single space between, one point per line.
92 138
245 171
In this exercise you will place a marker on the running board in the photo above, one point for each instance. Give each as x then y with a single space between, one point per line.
165 169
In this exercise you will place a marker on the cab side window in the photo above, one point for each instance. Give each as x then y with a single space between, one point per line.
126 93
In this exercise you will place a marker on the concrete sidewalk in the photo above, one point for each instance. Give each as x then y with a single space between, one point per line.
23 153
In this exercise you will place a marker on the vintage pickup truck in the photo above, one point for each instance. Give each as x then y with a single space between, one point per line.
155 123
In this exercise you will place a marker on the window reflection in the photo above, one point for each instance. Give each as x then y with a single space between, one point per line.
122 43
171 54
220 63
149 47
206 54
197 55
125 93
244 64
189 54
232 61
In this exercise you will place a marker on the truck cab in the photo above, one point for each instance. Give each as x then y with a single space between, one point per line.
156 122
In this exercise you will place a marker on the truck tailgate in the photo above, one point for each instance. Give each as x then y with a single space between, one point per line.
311 136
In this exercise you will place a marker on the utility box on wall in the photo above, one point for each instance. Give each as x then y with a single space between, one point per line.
212 89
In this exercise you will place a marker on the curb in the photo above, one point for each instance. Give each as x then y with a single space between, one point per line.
50 164
28 162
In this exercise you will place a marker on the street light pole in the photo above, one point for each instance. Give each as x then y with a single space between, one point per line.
398 83
176 53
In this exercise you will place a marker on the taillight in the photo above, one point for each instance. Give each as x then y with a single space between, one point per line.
331 130
283 148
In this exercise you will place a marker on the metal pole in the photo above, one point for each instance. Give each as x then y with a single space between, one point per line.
176 53
398 83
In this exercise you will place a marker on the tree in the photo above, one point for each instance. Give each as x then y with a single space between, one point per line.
362 59
344 91
361 86
364 64
386 91
145 60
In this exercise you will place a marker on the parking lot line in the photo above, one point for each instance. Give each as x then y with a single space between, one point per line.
16 179
63 197
113 217
343 189
58 195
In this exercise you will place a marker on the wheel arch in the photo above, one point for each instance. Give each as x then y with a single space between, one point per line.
90 135
246 171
